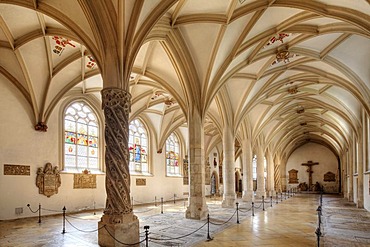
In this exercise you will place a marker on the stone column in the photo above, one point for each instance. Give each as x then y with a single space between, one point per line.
350 172
229 196
277 175
118 219
197 208
270 174
248 194
261 191
344 164
360 163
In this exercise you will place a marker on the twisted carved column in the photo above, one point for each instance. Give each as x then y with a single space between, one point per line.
277 178
118 219
116 106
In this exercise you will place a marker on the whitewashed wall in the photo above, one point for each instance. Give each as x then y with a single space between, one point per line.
316 153
22 145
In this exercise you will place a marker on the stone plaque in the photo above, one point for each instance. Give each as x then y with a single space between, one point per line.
208 173
48 180
186 171
329 177
293 176
16 170
84 181
140 182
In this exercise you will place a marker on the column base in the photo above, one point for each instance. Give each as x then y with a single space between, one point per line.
272 193
248 196
197 209
229 201
126 231
259 194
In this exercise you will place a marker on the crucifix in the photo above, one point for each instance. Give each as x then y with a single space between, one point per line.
309 164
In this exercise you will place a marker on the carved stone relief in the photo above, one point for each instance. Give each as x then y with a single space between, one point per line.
16 170
140 182
293 176
208 173
48 180
186 171
329 177
84 181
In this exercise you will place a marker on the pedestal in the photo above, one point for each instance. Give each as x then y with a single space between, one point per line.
197 209
126 231
248 196
229 201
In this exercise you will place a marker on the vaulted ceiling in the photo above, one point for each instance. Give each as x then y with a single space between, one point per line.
286 72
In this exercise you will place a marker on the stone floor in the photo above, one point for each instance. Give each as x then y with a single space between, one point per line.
291 222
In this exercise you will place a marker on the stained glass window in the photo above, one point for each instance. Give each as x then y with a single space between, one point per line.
172 155
138 147
81 138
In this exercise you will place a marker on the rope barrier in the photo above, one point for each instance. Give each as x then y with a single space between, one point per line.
84 230
144 211
167 239
110 234
220 224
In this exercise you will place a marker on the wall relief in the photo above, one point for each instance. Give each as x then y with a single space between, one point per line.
329 177
293 176
16 170
140 182
85 180
186 171
48 180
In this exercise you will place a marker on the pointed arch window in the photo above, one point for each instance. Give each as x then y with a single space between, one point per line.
81 138
138 147
172 156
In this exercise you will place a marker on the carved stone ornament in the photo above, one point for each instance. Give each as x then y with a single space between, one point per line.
48 180
293 178
116 105
140 182
16 170
84 181
41 126
186 171
329 177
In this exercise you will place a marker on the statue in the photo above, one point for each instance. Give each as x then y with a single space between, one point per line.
48 180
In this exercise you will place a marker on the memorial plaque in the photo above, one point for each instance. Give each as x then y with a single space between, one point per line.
48 180
16 170
84 181
140 182
293 177
329 177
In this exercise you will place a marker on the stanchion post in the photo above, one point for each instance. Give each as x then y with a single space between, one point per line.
318 235
270 201
174 198
288 194
208 236
277 197
252 208
319 214
161 205
263 203
281 193
146 235
64 220
39 212
237 213
155 201
94 208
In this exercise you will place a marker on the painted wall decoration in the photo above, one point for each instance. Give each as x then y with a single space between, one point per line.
16 170
60 44
48 180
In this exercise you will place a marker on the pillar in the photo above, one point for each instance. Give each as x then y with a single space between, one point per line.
197 208
248 194
360 164
261 191
270 174
229 196
118 219
344 174
350 172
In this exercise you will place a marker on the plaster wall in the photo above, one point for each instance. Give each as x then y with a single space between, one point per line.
316 153
22 145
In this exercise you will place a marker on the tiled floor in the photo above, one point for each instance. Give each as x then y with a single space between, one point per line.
291 222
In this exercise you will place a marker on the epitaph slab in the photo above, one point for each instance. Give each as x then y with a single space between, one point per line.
48 180
16 170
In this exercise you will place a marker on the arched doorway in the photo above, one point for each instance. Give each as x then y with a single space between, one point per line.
214 184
